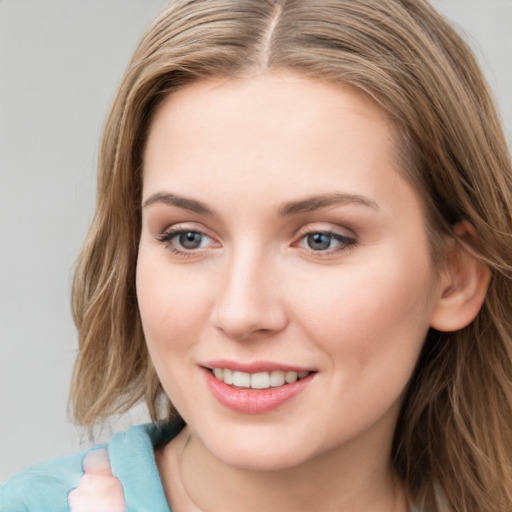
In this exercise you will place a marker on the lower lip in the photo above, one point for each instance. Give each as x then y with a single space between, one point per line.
254 401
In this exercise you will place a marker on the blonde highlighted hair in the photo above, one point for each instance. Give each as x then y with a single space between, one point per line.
453 440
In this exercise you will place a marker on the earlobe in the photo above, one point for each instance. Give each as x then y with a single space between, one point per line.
463 285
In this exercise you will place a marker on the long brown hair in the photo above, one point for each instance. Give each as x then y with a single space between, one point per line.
453 440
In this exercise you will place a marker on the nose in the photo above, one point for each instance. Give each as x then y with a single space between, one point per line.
249 301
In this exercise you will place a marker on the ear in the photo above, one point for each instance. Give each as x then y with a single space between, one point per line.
463 285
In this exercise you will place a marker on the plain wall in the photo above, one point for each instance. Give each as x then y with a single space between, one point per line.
60 62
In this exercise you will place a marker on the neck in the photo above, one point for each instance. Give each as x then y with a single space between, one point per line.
195 480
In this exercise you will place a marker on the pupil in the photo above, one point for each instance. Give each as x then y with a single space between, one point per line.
190 240
319 241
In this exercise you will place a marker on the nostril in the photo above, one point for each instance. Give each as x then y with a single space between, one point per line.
247 301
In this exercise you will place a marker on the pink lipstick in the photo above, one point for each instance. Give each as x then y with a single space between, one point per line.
255 388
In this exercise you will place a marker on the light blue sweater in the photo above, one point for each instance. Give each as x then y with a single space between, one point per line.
130 468
45 487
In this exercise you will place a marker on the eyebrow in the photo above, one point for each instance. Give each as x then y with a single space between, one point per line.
313 203
179 201
289 208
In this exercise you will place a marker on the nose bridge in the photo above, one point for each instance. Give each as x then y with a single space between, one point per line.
248 299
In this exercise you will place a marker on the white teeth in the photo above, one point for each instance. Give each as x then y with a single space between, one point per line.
241 379
228 376
259 380
277 379
290 377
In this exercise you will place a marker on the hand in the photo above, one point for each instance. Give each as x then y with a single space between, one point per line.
99 490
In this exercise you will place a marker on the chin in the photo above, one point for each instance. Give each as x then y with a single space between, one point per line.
264 453
251 461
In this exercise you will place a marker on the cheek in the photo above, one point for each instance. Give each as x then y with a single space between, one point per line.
375 313
172 316
172 304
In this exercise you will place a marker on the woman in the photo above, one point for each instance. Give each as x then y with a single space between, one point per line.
301 260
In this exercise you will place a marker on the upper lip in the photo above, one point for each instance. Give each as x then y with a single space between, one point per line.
254 366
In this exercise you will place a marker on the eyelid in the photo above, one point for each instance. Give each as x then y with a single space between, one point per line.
165 237
348 240
325 227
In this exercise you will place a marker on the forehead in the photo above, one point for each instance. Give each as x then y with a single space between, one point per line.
271 138
266 97
280 115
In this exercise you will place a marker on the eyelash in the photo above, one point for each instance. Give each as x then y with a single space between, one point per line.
168 235
345 242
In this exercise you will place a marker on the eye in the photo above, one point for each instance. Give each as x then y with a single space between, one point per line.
190 239
319 241
184 241
325 242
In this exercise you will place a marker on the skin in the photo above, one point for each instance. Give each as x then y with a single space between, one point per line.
357 313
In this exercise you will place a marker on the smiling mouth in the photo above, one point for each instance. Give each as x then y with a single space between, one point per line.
258 380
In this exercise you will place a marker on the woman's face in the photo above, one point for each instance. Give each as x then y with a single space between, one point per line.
279 243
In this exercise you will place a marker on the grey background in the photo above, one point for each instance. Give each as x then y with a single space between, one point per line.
60 62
